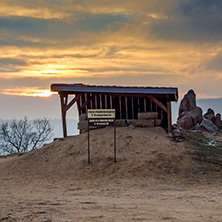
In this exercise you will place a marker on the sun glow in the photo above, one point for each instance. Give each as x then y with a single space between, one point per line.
32 92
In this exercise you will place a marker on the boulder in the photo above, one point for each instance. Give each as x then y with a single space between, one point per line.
185 122
83 125
189 113
158 122
195 114
188 102
83 117
217 120
209 125
121 122
209 114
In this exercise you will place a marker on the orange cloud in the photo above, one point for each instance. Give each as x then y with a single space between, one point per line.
33 92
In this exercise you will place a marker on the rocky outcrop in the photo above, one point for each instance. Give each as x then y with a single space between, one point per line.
209 125
211 122
217 120
191 116
189 113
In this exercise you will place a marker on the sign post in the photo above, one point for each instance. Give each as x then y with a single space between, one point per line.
101 117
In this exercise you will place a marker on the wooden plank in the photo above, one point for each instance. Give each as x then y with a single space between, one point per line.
111 102
100 102
157 102
126 105
96 105
138 103
120 108
105 101
144 103
132 108
169 118
86 103
91 101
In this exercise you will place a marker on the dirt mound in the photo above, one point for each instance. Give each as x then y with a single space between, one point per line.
141 152
154 179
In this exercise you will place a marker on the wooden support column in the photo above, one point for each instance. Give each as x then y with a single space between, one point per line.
100 102
111 102
126 107
132 108
144 102
64 101
169 119
120 108
65 107
158 103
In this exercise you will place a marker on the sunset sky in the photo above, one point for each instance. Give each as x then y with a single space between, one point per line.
128 42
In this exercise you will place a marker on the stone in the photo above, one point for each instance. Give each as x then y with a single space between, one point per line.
209 114
185 122
158 122
189 113
131 126
148 115
121 122
217 120
209 125
188 102
195 114
83 117
144 123
82 125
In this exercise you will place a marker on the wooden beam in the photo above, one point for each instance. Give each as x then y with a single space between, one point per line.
126 105
63 100
144 103
111 102
120 107
86 103
73 101
91 101
132 108
169 116
158 103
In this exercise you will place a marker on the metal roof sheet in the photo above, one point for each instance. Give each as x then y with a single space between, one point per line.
75 88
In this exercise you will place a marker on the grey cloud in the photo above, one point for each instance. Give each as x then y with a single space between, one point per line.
59 32
192 20
215 64
11 65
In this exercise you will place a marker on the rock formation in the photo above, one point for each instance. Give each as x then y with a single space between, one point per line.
189 113
211 122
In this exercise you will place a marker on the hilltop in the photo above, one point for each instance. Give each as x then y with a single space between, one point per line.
147 159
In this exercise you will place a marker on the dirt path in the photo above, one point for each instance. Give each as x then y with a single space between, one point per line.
111 203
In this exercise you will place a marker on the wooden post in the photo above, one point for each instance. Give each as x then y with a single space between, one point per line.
111 102
120 109
64 100
132 108
126 106
169 120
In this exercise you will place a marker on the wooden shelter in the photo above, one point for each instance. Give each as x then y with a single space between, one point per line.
127 101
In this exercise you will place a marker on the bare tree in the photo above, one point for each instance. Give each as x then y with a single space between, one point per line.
18 136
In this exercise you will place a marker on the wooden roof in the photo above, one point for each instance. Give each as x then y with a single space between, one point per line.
172 92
